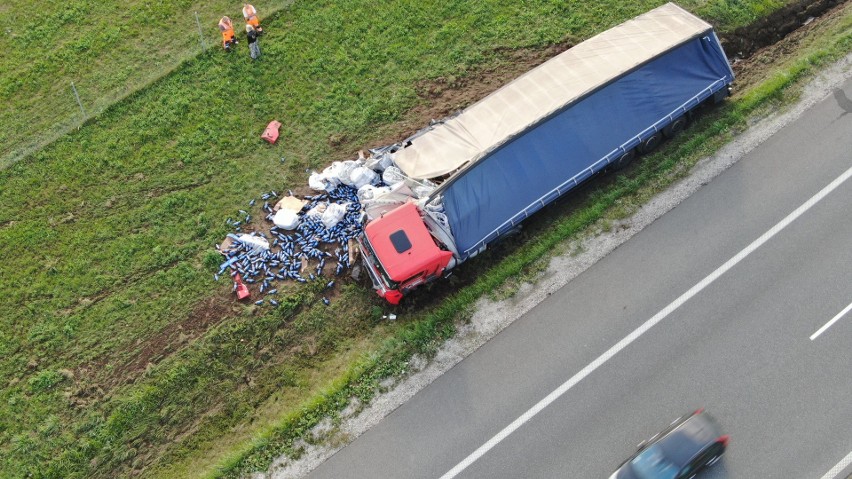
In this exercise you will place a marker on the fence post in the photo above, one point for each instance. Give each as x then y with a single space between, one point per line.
79 103
200 34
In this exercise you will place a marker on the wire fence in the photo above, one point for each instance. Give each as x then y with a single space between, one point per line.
73 102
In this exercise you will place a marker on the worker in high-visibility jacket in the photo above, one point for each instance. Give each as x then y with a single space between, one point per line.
229 39
250 14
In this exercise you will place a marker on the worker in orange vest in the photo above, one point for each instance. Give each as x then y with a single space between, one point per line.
228 37
250 14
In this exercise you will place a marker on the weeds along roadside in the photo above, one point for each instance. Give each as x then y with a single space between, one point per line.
653 174
153 408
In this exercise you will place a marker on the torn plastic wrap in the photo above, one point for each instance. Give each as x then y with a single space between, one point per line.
382 203
439 225
380 158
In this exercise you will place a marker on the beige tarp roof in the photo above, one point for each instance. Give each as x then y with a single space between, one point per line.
545 89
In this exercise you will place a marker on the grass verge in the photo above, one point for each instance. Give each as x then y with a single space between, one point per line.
119 355
653 175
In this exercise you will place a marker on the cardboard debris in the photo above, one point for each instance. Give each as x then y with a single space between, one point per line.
354 250
225 245
291 203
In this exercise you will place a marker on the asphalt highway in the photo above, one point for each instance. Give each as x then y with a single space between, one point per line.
713 305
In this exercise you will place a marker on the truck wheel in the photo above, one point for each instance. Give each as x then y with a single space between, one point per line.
651 143
623 160
675 128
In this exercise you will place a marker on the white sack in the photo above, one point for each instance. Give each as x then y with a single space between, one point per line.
369 192
344 170
392 176
256 242
286 219
333 214
319 182
361 175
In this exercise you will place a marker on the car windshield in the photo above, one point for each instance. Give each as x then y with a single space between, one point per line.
652 464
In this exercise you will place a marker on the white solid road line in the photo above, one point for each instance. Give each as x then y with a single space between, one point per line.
591 367
833 320
839 467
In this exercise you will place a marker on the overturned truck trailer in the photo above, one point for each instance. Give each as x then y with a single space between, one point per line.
502 159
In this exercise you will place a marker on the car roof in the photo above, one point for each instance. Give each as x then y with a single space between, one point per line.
688 439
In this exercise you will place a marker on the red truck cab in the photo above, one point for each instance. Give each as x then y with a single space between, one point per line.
400 253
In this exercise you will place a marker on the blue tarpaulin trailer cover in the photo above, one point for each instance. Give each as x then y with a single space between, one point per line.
523 175
497 191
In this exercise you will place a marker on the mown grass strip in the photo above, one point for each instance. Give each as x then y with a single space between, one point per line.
422 337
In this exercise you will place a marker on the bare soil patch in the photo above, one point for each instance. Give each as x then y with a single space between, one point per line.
745 41
154 349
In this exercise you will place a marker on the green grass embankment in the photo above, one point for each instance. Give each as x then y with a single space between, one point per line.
109 49
118 352
615 201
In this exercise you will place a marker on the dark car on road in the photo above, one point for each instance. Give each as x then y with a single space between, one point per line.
690 444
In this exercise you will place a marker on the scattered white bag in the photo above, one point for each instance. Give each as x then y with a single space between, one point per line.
380 162
286 219
369 192
333 172
361 176
392 175
256 242
319 182
333 214
343 170
317 210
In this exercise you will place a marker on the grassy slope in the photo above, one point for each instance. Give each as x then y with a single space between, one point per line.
106 231
107 48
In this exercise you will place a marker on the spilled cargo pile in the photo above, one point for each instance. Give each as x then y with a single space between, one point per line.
262 259
312 238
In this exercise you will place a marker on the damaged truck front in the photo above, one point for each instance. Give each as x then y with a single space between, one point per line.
591 108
